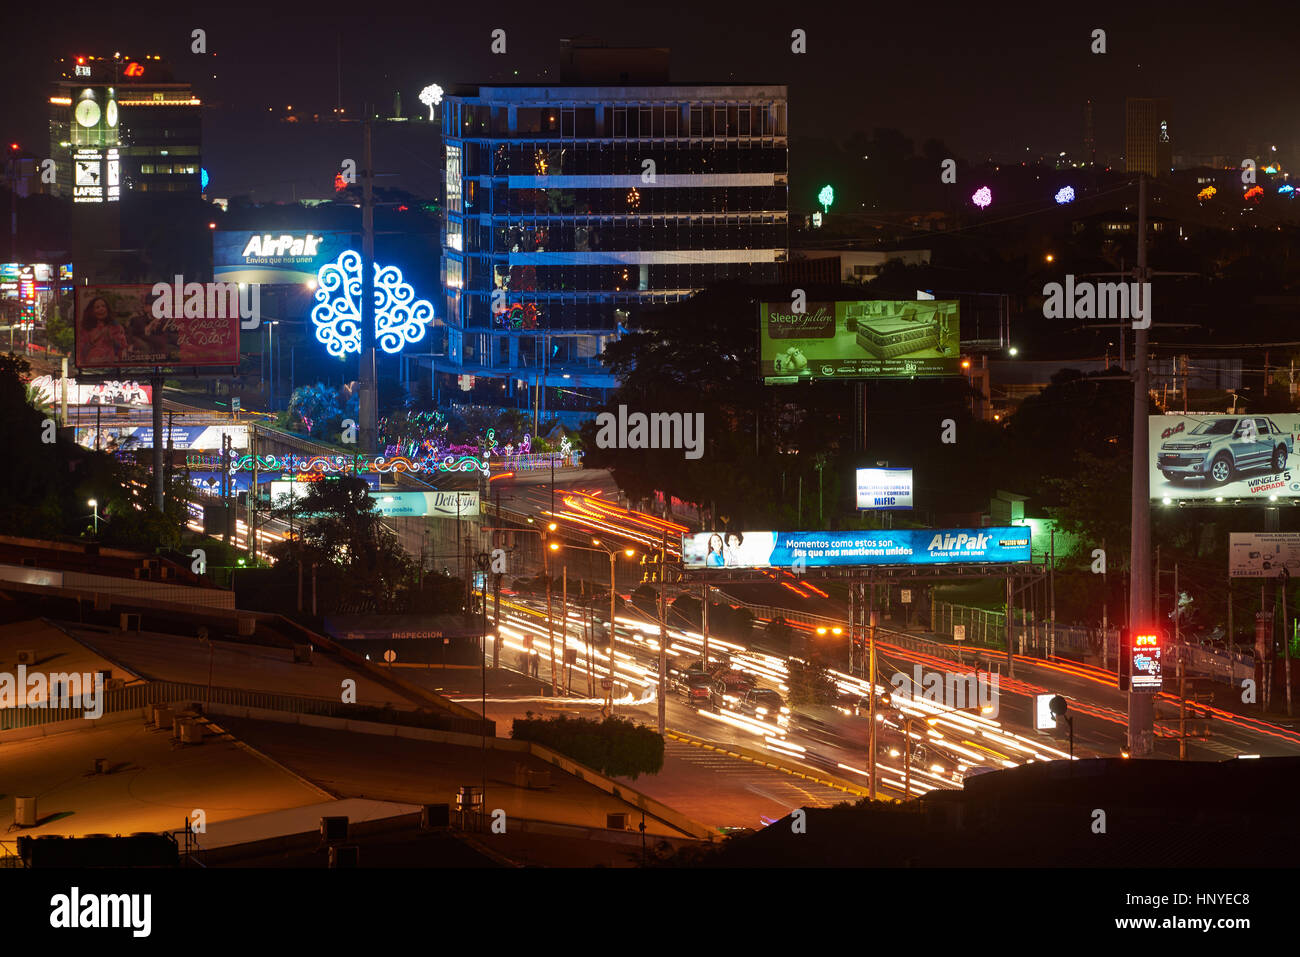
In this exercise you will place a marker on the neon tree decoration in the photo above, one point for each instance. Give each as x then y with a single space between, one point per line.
203 179
1206 194
400 318
1287 190
826 197
431 96
982 197
1065 195
1253 194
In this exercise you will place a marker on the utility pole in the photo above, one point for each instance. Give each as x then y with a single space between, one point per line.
663 631
1286 641
1051 587
871 683
1141 706
564 625
704 624
369 398
550 621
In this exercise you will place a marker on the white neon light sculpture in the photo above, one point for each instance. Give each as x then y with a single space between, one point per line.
400 318
431 96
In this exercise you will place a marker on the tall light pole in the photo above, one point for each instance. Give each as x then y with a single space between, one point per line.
368 404
613 554
95 506
1141 706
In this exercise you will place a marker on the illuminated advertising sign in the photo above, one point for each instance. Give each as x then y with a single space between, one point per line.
884 488
872 339
119 327
1223 457
456 504
1263 554
96 175
1139 661
913 546
281 256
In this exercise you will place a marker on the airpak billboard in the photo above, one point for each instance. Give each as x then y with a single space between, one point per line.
871 339
275 256
912 546
1228 457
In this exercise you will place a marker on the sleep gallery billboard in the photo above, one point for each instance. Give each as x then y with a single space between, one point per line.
1233 458
142 326
872 339
911 546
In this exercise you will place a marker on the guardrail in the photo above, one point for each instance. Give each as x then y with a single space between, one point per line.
145 693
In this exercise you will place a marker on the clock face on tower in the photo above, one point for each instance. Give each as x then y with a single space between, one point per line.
110 114
87 113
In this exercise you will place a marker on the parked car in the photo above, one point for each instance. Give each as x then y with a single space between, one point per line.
1220 447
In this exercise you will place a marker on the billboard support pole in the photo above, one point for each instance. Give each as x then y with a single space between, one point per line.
1010 612
1141 707
157 383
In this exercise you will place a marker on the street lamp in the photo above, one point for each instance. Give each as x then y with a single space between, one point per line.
907 741
613 557
95 506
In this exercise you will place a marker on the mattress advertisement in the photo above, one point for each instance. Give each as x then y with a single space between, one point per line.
867 339
1229 458
911 546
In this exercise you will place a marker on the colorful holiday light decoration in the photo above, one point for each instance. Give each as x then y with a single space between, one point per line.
1206 194
521 316
826 197
343 464
1287 190
1254 194
1065 195
982 197
400 318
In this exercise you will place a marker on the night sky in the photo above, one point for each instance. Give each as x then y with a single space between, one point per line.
987 79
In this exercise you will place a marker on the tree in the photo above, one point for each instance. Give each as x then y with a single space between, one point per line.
344 533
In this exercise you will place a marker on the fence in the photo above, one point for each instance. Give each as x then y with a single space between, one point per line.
141 694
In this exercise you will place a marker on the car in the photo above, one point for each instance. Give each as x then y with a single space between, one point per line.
765 705
1222 447
695 687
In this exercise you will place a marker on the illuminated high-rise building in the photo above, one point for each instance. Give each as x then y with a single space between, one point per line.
570 206
154 123
1148 147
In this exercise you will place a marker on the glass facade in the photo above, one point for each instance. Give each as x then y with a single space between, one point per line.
570 207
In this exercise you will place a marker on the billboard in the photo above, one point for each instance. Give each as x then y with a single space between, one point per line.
179 437
911 546
129 392
884 488
1229 457
871 339
284 256
117 328
1263 554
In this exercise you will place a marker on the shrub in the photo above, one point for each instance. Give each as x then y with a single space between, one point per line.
615 746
